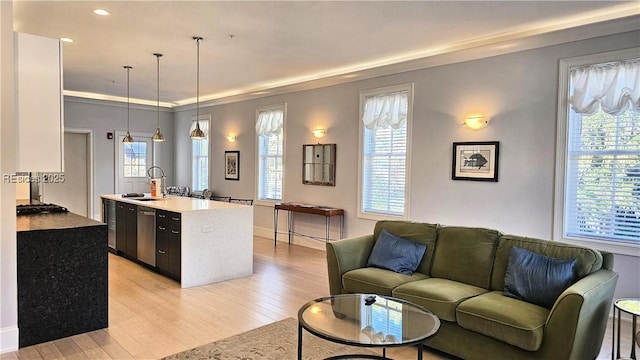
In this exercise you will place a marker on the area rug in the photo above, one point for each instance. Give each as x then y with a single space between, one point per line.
276 341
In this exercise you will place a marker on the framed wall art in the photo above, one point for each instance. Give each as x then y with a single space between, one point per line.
232 165
476 161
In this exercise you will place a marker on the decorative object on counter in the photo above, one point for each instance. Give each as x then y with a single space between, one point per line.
128 138
475 161
207 194
319 164
232 165
197 133
157 136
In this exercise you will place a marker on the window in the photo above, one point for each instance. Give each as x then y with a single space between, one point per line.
200 157
598 189
384 148
270 131
135 159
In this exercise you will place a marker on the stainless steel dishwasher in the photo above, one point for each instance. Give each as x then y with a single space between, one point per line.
147 235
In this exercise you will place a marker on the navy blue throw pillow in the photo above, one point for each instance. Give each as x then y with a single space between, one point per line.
537 278
396 254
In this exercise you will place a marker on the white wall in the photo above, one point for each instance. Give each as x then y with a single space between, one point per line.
517 91
107 116
8 124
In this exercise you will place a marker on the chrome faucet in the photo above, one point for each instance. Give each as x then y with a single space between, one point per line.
163 187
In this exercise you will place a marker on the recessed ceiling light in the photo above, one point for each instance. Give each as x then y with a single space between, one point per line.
101 12
69 40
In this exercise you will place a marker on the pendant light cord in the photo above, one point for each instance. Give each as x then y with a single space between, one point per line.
128 69
158 74
198 39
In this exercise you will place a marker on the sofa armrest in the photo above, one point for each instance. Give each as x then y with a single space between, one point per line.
578 320
346 255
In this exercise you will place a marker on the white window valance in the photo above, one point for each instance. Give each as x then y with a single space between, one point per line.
270 122
386 110
614 87
204 126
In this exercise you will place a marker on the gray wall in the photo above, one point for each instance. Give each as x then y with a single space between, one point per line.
517 91
107 116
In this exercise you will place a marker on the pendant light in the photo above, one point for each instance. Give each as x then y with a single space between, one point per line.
197 133
128 138
157 136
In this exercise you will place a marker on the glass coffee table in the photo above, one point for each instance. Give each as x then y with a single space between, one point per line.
366 320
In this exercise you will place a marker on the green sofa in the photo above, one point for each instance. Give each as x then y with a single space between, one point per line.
461 279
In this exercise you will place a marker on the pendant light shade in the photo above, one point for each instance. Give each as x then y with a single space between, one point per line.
197 133
128 138
157 136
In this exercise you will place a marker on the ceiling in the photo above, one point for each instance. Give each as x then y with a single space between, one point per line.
250 47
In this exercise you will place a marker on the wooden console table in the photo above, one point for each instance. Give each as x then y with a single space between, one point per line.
292 208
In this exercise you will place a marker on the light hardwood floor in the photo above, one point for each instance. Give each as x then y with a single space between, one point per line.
150 316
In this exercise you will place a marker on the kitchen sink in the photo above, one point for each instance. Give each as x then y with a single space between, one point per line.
147 199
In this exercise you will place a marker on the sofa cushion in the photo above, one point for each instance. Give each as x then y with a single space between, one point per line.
376 281
440 296
396 254
420 232
537 278
589 260
513 321
465 255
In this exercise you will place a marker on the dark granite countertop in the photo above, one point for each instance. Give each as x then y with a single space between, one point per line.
48 221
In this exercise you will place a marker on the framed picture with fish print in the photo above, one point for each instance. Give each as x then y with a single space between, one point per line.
476 161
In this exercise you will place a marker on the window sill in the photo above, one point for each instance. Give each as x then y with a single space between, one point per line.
610 246
379 217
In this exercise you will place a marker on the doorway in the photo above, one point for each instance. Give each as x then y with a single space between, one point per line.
132 161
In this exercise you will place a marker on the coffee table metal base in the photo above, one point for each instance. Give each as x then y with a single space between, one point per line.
353 356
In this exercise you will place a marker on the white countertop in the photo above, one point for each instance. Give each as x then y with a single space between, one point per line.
179 204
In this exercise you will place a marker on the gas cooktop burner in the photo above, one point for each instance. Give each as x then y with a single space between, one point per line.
27 209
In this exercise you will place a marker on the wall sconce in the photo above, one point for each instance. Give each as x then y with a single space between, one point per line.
319 133
476 122
232 137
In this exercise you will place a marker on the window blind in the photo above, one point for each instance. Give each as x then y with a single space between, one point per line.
269 127
384 153
200 158
603 177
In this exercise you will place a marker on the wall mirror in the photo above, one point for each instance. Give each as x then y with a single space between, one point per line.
319 164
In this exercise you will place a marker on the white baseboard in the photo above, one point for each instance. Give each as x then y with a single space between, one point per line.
8 339
283 238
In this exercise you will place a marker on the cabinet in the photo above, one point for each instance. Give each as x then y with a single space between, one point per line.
168 243
38 63
127 230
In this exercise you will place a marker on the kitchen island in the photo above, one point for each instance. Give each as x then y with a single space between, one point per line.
197 241
62 276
